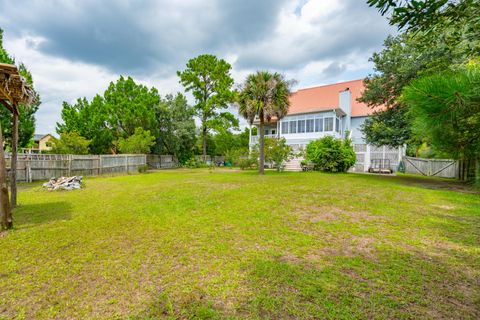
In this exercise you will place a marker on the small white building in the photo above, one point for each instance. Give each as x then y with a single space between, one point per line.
329 110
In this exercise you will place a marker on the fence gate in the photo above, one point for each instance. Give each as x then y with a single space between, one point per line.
445 168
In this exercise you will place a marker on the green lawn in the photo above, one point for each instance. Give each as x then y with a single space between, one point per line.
228 244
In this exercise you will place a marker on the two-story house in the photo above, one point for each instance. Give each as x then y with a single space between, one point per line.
329 110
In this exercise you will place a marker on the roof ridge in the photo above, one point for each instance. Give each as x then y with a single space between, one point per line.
328 85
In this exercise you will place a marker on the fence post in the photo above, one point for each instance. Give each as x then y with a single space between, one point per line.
126 163
69 165
366 160
100 164
28 173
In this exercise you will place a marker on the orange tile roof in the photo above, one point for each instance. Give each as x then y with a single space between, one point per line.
323 98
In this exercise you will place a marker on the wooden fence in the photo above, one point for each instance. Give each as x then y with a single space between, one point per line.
32 167
445 168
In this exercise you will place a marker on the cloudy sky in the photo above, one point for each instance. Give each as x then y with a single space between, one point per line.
75 48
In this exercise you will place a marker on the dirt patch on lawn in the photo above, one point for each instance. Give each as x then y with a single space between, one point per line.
333 213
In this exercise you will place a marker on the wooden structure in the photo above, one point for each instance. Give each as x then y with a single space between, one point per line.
14 91
444 168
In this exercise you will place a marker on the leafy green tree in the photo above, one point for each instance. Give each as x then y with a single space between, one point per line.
437 35
124 106
26 119
264 96
130 105
277 151
445 109
331 154
141 142
209 80
91 120
403 59
70 143
176 128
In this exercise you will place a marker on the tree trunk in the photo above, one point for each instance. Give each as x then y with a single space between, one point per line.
204 143
5 211
261 162
13 165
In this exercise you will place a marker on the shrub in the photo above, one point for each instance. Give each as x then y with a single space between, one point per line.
247 162
143 168
192 163
140 142
277 151
70 143
331 154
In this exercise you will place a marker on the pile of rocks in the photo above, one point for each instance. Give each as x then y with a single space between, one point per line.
64 183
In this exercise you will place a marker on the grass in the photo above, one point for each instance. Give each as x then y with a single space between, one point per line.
224 244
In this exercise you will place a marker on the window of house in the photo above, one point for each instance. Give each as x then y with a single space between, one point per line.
337 124
310 127
318 124
274 131
301 126
293 126
285 127
328 125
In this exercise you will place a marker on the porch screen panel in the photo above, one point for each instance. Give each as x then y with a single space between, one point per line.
319 125
337 125
310 127
301 126
293 126
284 127
328 124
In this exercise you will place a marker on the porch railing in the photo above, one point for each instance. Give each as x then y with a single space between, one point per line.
254 139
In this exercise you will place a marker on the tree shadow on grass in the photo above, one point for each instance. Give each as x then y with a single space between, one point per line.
27 216
434 183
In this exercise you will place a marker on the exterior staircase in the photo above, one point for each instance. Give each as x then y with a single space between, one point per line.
293 164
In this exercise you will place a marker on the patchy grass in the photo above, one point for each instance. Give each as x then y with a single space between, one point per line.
219 244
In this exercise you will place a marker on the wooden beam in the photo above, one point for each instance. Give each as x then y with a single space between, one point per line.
7 105
5 94
13 162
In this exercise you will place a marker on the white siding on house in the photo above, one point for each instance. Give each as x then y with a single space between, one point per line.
355 128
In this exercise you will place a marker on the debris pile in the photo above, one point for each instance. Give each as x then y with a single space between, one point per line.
64 183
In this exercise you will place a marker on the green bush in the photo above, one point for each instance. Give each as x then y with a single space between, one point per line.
191 163
247 163
143 168
331 154
278 152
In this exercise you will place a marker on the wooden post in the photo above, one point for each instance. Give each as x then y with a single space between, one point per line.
69 165
28 170
5 211
100 164
126 164
13 165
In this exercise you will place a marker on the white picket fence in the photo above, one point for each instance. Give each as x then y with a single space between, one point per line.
31 167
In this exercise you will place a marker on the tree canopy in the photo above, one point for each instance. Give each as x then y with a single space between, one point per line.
445 109
210 82
431 41
112 121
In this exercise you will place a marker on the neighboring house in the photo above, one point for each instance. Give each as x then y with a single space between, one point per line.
329 110
41 143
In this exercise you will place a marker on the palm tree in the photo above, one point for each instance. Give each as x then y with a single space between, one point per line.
264 96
